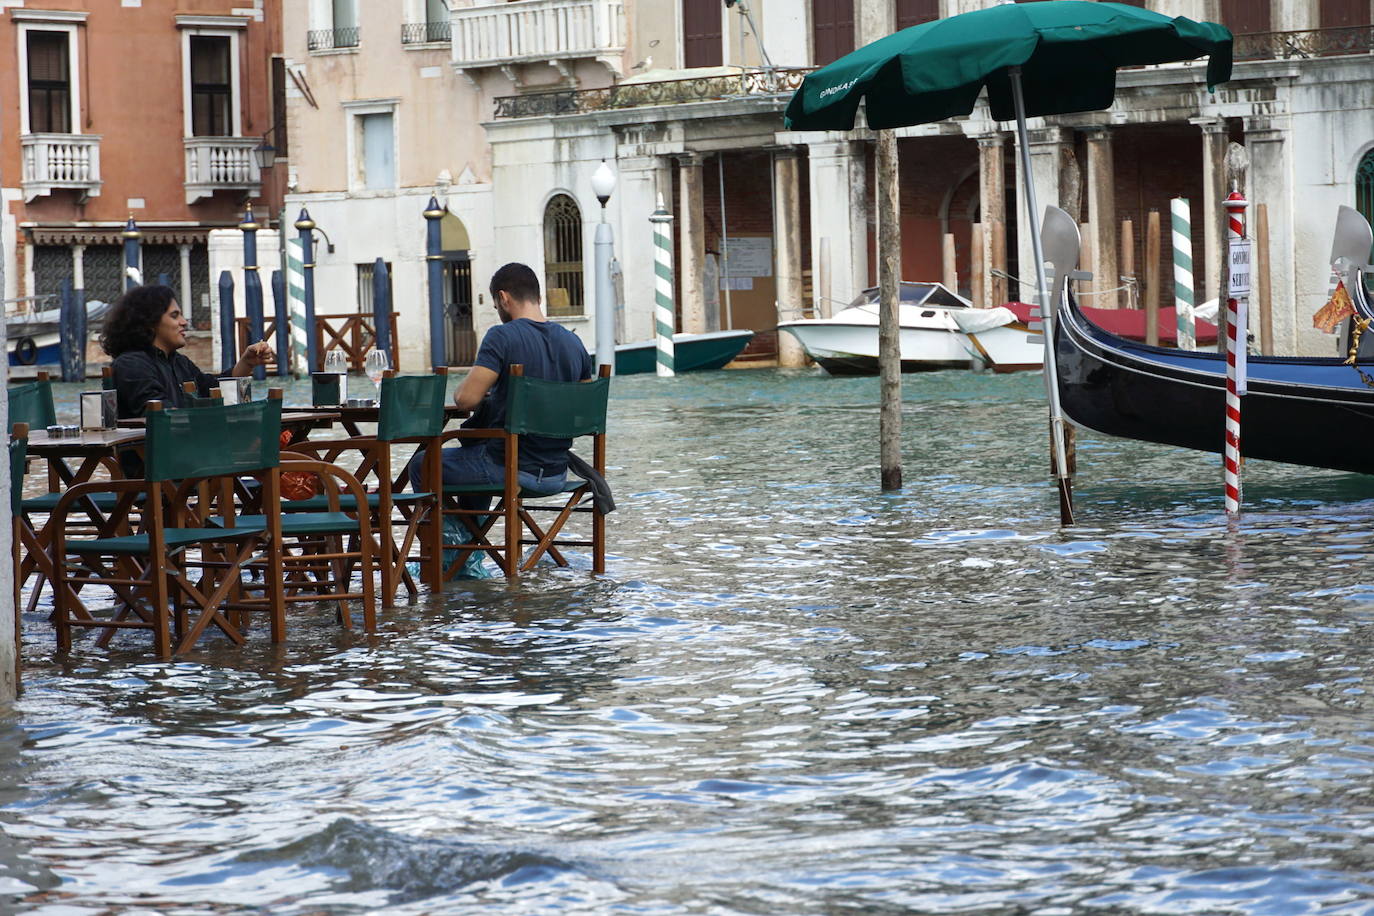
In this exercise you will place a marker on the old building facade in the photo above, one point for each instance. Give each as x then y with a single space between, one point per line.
155 110
505 110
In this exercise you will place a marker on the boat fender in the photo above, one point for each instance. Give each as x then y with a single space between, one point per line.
25 351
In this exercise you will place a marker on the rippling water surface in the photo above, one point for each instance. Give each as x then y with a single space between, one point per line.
789 694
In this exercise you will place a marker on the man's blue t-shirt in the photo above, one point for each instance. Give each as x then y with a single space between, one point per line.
547 350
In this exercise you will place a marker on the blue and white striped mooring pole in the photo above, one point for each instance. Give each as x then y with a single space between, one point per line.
664 316
305 225
1183 273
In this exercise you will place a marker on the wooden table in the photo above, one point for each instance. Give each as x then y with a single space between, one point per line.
294 416
91 447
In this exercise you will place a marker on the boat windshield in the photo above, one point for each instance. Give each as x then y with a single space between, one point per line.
914 294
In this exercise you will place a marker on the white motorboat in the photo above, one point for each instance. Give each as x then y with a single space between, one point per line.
931 334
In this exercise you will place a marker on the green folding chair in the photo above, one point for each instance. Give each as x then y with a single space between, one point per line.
178 572
538 407
320 549
19 445
31 404
411 414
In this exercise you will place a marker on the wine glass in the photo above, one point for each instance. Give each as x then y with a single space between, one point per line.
376 364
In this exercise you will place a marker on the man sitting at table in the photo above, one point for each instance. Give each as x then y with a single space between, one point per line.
546 350
143 332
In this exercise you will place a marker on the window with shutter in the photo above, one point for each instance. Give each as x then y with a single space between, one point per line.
702 40
212 92
49 78
832 29
1340 14
1244 16
915 12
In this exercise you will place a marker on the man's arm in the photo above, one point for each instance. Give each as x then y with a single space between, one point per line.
258 354
475 387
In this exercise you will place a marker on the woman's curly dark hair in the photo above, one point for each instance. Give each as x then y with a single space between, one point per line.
133 319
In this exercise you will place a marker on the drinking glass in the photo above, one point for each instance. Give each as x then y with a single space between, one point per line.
376 364
337 363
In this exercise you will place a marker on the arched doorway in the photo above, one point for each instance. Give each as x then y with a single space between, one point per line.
461 345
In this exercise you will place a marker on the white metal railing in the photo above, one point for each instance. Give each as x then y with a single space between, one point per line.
215 163
529 30
60 161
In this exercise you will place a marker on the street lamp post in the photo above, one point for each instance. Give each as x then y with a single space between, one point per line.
603 183
434 268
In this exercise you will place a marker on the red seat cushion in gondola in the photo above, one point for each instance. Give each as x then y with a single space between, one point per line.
1130 323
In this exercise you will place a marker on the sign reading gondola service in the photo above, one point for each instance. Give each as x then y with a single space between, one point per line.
1238 283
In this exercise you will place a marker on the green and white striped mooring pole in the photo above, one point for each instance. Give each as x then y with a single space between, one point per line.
1183 273
663 289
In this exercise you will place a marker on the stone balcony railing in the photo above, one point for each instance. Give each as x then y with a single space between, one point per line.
759 83
1303 45
1256 46
221 164
535 31
55 161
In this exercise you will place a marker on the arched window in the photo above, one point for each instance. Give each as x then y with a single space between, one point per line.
563 257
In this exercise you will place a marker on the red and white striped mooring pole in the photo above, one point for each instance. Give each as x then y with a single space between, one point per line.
1237 301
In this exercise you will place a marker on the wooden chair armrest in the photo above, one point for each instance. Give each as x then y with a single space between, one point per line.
473 433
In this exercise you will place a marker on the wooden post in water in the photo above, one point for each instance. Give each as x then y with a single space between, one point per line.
976 266
1087 262
1263 294
1127 262
889 329
1152 279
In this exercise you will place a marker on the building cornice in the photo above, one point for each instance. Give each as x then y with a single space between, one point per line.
28 15
186 21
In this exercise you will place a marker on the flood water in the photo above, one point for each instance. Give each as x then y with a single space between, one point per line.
789 694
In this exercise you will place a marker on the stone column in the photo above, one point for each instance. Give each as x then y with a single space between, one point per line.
1102 215
839 223
184 293
1214 191
78 267
787 253
1270 182
1047 149
636 197
992 208
691 244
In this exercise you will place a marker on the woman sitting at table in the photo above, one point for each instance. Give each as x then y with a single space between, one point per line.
143 332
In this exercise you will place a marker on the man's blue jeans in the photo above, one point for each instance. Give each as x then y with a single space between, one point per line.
468 465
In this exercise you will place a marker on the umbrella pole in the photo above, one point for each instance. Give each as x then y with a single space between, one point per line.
1047 308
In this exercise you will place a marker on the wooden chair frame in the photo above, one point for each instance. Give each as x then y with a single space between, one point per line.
516 513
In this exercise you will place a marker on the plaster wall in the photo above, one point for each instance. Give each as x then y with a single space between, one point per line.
392 227
436 111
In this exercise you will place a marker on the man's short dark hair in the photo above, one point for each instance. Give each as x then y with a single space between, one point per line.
133 319
518 281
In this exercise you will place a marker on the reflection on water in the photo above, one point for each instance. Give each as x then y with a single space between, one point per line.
790 694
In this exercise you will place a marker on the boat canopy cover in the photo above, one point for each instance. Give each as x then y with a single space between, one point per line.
913 293
976 321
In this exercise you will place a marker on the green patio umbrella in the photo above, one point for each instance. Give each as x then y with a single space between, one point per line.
1038 58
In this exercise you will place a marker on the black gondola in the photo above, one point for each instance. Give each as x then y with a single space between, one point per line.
1311 411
